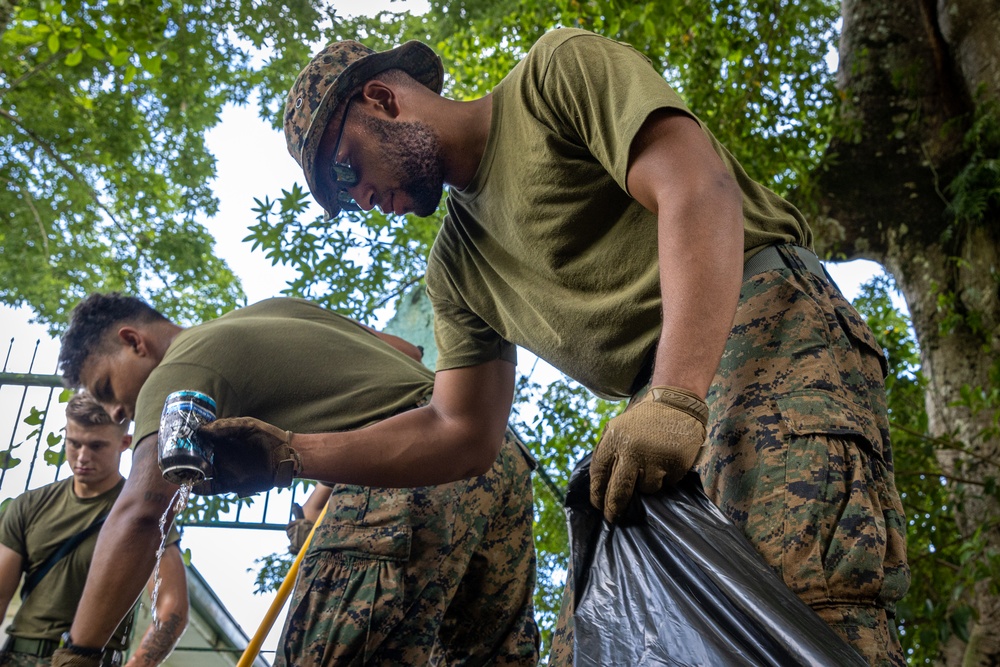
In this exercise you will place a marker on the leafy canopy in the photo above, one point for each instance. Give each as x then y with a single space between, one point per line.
104 172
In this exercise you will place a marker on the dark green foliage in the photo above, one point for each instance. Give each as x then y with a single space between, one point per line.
273 569
945 566
560 423
354 264
104 173
975 191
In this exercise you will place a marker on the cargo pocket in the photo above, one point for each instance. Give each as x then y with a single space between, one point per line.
861 335
835 523
356 594
389 543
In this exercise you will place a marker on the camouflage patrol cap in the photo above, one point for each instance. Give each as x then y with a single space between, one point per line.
316 101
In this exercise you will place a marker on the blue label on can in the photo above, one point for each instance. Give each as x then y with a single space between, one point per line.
182 456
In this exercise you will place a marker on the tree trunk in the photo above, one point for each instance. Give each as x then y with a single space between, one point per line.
912 73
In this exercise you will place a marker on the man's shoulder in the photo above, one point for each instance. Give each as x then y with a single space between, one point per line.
47 491
554 41
554 38
41 497
447 254
268 312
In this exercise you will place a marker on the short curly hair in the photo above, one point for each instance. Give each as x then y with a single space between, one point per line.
89 324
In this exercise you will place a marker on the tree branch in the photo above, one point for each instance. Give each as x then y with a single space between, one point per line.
31 72
51 152
34 211
945 443
930 473
398 291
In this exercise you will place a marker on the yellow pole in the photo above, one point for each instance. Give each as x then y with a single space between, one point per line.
253 648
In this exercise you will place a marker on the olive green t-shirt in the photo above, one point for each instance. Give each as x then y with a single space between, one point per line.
290 363
545 248
34 525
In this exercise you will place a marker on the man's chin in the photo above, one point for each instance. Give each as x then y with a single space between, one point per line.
424 212
425 200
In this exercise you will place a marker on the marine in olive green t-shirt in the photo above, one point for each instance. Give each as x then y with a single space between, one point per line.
35 525
545 248
290 363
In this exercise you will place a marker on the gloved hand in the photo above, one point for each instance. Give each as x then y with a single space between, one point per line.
655 440
250 456
63 657
298 530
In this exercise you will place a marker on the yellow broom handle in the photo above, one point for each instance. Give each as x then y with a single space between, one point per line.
253 648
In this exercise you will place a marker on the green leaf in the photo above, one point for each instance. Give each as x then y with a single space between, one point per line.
74 58
35 417
151 64
53 439
8 461
960 622
54 457
53 42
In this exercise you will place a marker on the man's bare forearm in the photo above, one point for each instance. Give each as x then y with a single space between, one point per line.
456 436
158 642
171 612
675 173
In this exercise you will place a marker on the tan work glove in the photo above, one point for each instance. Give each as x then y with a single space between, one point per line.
250 456
654 441
298 530
63 657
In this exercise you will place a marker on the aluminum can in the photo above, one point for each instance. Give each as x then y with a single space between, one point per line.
182 456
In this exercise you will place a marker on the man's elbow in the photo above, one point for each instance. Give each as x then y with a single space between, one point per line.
175 612
478 456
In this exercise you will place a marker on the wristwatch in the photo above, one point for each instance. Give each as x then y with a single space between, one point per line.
85 651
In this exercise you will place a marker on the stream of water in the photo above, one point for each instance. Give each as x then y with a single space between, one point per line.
177 503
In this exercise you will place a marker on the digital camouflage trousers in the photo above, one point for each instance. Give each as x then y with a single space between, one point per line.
799 458
437 575
10 659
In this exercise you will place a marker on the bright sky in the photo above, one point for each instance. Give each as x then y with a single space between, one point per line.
252 162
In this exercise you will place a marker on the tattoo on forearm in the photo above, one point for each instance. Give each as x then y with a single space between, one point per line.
158 644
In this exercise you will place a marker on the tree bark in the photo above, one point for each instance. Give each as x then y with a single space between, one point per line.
911 75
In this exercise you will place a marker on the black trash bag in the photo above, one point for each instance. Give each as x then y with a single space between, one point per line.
674 583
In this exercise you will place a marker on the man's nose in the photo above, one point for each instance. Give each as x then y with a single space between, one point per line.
363 196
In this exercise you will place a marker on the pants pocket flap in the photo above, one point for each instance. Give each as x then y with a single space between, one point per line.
375 542
817 412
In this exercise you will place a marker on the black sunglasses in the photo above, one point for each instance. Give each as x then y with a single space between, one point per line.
342 174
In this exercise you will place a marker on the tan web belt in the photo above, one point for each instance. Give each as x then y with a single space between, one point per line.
786 256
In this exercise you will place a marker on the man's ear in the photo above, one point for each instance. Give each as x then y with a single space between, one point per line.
134 339
381 97
126 442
